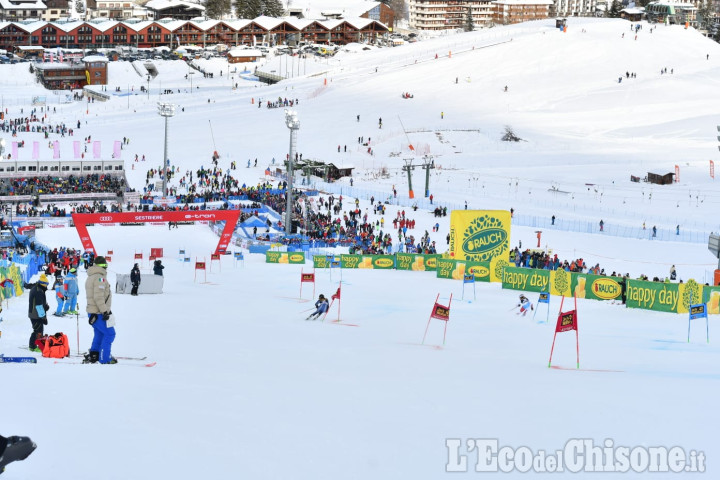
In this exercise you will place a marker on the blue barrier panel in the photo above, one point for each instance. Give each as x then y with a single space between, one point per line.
259 248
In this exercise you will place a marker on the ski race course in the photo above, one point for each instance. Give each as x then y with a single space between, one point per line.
242 386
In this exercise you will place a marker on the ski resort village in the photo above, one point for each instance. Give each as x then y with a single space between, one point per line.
320 240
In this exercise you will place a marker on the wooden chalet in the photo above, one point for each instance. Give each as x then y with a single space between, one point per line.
170 33
666 179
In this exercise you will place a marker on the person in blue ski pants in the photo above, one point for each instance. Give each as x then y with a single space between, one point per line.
321 307
71 292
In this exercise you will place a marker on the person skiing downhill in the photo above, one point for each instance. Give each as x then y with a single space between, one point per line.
321 307
524 305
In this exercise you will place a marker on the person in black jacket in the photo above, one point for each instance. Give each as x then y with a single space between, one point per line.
135 279
158 267
14 448
37 310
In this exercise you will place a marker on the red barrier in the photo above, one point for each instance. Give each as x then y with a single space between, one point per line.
81 220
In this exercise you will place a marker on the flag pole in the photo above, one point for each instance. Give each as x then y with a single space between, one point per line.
577 338
339 300
428 324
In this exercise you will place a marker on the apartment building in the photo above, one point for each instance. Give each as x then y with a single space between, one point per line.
448 14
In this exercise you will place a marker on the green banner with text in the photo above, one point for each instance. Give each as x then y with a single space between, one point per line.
456 269
416 262
285 257
528 279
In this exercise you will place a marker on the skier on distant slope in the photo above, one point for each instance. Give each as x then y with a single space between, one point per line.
321 307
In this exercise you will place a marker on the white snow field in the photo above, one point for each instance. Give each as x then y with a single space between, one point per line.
244 387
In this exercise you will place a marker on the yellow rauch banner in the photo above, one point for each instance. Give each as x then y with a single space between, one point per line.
481 236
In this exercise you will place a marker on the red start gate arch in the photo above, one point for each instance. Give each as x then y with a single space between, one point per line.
81 221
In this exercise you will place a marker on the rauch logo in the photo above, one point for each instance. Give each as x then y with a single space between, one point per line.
384 262
484 241
605 288
480 271
296 258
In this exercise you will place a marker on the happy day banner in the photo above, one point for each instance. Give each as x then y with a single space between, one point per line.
457 269
663 297
416 262
383 262
285 257
527 279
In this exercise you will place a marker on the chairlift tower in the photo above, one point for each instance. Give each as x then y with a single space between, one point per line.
409 167
428 163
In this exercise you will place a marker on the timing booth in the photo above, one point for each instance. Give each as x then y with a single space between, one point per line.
149 283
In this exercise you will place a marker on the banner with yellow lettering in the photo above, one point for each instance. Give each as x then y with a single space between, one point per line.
416 261
528 279
285 257
663 297
457 269
481 236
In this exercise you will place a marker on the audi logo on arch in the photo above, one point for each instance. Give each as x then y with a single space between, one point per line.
105 219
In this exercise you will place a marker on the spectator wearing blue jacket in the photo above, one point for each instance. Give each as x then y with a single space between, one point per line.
71 292
321 305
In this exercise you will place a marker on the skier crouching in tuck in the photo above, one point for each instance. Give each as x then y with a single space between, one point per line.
321 307
524 305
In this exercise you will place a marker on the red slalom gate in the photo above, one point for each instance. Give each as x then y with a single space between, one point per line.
567 321
307 278
200 266
439 312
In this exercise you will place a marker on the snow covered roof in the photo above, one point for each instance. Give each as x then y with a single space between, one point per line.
67 26
268 23
634 10
244 52
104 25
165 4
358 22
171 25
238 24
298 23
57 66
205 24
523 2
22 5
30 27
95 58
317 9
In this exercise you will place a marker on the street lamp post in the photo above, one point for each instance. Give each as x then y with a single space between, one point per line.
148 89
191 73
292 122
166 110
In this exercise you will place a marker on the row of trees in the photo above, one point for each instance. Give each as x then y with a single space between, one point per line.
218 9
244 8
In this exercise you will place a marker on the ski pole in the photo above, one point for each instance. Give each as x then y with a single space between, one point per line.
77 326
